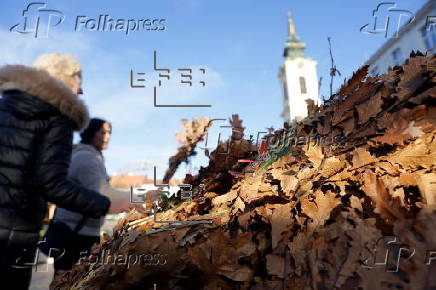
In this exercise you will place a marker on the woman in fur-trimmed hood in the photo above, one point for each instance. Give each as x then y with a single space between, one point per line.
38 112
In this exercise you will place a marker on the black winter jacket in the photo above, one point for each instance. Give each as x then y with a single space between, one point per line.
38 114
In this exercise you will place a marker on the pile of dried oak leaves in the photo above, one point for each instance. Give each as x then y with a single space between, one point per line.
320 217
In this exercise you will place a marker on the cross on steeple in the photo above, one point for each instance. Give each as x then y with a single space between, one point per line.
293 47
291 27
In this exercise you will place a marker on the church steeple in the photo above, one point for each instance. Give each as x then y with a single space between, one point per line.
298 77
293 47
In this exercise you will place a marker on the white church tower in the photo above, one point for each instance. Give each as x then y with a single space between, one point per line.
298 77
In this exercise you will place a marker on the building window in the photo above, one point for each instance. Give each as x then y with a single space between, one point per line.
398 59
429 37
285 91
303 86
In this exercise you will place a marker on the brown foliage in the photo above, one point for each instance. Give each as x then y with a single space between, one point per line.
311 220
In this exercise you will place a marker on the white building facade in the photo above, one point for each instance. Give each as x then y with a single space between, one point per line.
298 78
419 34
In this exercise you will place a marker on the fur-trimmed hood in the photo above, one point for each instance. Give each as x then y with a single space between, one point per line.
40 84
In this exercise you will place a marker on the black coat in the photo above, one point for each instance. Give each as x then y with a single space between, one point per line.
37 117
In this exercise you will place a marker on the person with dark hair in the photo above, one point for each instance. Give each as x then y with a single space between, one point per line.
38 112
94 126
88 169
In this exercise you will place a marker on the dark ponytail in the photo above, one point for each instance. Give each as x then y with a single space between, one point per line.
94 125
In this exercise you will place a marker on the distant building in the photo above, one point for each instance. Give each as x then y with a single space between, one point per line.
298 77
419 34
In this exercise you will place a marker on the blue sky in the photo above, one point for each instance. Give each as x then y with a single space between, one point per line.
239 43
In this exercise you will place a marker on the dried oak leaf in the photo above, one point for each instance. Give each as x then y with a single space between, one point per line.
427 187
412 130
355 81
420 269
280 222
393 186
345 109
238 206
225 254
289 183
131 236
370 108
237 129
298 250
348 126
362 157
407 179
236 272
314 153
356 203
319 210
346 237
275 265
425 117
331 166
388 207
412 77
306 173
230 196
342 175
416 155
388 168
244 219
324 127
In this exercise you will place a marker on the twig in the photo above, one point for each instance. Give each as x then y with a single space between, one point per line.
333 69
319 88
